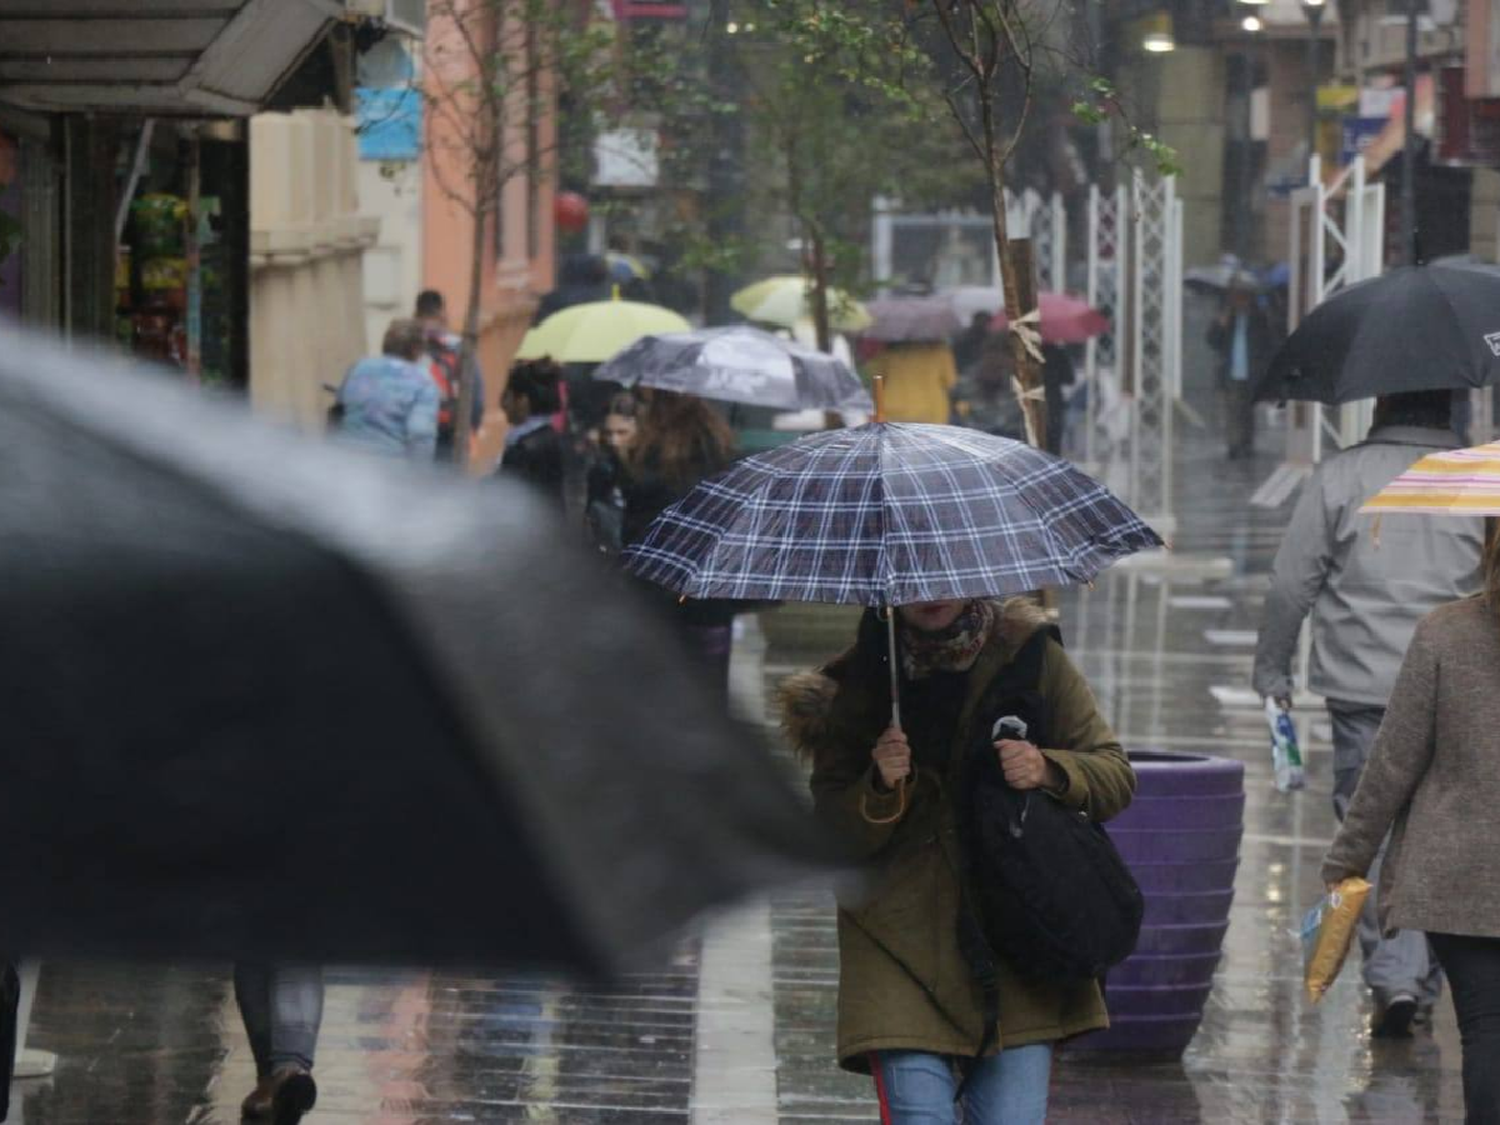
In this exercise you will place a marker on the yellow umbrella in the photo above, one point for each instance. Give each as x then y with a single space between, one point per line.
1457 482
597 331
787 298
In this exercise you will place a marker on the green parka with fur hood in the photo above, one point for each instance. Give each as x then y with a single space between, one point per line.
903 982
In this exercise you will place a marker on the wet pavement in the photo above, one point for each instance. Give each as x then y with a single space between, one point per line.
739 1027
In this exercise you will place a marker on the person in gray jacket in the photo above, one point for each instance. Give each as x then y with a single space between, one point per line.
1366 588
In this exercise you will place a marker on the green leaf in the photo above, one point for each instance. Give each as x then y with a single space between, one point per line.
1087 113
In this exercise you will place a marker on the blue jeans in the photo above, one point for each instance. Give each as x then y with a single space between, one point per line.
282 1006
917 1087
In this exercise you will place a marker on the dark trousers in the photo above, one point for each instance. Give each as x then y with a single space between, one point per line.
282 1006
1473 968
10 999
1239 418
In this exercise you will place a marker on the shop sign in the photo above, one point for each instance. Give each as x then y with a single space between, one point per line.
390 122
626 158
1356 135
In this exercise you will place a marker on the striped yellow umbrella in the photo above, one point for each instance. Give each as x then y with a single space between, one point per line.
1458 482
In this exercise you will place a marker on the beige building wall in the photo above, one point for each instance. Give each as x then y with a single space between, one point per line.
1484 215
307 242
391 191
520 244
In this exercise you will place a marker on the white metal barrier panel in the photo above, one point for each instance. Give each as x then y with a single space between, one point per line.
1156 261
1107 252
1133 372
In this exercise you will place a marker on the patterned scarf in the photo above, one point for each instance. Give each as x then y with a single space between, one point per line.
954 649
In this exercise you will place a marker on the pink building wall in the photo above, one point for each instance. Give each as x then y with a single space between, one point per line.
519 269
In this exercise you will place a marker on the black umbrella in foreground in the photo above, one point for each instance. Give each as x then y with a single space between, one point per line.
1416 328
264 696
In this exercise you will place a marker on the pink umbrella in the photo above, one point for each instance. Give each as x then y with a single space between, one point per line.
1065 319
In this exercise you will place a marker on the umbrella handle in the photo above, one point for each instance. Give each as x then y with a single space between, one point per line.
864 797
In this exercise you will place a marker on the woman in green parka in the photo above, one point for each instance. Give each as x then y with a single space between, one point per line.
910 1010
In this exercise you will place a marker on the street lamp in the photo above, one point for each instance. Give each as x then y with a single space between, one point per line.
1251 24
1313 10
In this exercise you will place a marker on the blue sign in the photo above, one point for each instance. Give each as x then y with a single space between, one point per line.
1355 136
390 122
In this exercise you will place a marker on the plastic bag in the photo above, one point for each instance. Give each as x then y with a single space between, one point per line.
1286 755
1327 932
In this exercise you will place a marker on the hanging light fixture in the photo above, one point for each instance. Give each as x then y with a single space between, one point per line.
1156 33
1252 24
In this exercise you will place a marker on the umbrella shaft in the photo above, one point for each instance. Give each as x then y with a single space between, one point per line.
890 617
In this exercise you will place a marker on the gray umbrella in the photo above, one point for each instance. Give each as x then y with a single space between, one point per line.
913 319
739 364
1227 273
265 696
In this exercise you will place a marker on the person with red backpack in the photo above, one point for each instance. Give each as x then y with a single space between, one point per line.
444 354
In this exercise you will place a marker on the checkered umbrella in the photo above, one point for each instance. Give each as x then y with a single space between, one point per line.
889 514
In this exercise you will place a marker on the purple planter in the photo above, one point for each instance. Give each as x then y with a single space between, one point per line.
1181 839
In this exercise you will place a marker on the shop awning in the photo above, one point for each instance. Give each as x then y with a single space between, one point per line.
158 57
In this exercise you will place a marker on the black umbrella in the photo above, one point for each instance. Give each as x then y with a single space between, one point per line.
1416 328
739 364
265 696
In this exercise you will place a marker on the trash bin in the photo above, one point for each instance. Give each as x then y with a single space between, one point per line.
1181 839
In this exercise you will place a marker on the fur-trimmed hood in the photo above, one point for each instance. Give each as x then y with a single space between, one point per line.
806 701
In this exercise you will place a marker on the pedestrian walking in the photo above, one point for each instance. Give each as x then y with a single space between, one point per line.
919 381
985 397
282 1008
1433 785
968 346
533 449
604 507
1366 589
680 441
910 1011
1243 338
444 354
1058 373
388 403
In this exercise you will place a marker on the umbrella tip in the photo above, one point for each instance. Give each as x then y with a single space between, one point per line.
879 398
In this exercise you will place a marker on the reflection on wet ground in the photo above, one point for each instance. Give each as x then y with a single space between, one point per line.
1168 652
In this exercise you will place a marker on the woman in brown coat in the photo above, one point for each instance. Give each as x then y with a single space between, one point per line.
1434 775
910 1010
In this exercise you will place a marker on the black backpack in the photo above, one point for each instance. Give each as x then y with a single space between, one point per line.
1046 890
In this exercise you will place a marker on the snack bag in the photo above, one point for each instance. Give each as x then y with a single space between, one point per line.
1286 756
1326 933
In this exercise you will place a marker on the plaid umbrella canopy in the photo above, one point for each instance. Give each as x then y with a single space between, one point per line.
889 514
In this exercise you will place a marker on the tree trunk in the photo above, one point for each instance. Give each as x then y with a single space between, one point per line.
1018 292
468 356
822 324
